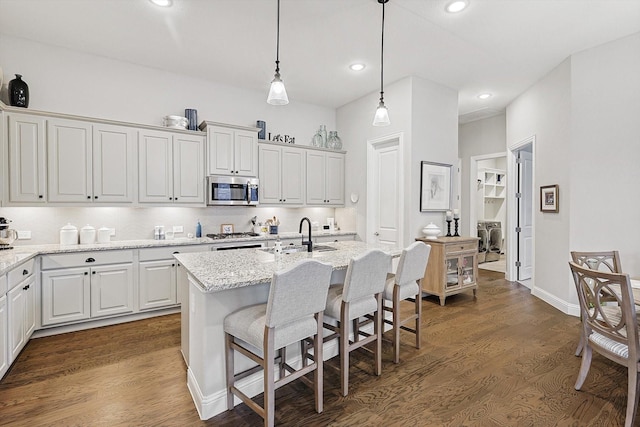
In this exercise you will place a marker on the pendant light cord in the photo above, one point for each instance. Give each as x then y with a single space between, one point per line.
278 41
381 57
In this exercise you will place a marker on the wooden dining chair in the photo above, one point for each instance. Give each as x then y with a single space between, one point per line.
608 261
609 329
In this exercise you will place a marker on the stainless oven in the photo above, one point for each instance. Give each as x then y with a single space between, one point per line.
232 191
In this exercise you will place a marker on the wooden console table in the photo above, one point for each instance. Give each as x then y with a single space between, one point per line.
452 266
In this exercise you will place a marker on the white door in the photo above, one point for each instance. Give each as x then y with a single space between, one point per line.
334 177
29 287
270 174
293 176
65 295
113 163
385 192
16 307
155 165
524 229
157 284
188 169
316 182
27 162
245 153
220 152
4 336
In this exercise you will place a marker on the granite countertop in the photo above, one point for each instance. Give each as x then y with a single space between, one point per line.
13 257
222 270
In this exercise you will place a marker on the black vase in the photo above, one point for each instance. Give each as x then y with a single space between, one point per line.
18 92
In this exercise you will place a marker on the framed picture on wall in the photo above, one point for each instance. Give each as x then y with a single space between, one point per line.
435 186
549 198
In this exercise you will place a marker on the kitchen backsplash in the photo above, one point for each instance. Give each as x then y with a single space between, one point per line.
137 223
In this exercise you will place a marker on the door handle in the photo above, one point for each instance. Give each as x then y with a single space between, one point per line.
376 234
90 260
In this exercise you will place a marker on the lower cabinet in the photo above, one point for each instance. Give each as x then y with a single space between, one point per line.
21 309
87 285
157 284
4 336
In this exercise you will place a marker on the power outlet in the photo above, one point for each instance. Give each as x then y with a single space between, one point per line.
178 229
24 235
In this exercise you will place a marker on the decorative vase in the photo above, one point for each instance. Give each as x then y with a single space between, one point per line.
337 142
18 92
316 141
431 231
323 133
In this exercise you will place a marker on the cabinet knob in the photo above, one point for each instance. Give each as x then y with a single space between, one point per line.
170 198
95 197
173 265
25 272
40 196
88 197
86 273
176 252
376 234
93 272
25 288
175 198
90 260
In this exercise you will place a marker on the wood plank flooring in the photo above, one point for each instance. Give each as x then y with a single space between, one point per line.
503 359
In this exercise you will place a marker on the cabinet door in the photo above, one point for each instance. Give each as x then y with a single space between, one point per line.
293 176
335 178
155 167
4 336
220 152
245 153
188 169
65 295
452 273
27 162
157 284
270 174
113 163
468 270
69 155
16 307
29 306
316 171
111 290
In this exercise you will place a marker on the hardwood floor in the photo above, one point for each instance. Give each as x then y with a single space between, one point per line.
505 359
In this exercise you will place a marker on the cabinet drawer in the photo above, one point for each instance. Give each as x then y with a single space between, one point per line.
461 247
88 259
167 252
21 272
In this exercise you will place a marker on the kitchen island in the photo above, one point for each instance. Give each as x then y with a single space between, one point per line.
213 284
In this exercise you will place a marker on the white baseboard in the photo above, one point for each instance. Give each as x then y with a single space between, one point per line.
554 301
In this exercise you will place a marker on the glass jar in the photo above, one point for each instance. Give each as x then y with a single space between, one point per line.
316 141
338 141
323 133
331 140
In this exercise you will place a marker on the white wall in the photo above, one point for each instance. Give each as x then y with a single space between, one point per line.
605 151
426 114
584 115
487 136
66 81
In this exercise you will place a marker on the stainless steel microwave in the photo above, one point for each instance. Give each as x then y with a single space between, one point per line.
232 191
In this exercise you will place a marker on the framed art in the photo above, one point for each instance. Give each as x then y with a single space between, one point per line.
549 198
226 228
435 186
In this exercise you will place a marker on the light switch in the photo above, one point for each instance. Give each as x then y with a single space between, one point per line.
178 229
24 234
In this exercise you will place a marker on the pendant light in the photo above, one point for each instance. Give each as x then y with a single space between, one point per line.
277 92
382 114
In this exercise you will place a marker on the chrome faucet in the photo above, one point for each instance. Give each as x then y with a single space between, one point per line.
308 243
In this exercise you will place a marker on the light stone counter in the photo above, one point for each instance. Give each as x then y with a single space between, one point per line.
223 270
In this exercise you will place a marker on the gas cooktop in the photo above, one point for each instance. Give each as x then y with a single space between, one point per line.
232 235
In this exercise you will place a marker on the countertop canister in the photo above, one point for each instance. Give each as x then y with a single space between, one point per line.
104 235
69 235
87 235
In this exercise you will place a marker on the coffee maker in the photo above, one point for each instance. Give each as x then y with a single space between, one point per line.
7 235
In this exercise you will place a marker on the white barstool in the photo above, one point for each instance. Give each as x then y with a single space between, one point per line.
293 312
360 295
406 284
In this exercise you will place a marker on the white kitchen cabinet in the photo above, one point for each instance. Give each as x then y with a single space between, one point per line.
170 168
282 174
27 158
90 162
86 285
69 158
231 150
157 284
21 308
4 336
325 178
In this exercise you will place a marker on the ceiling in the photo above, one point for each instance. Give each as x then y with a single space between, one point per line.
497 46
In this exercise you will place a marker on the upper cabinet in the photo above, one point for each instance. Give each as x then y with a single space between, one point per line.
170 168
231 150
282 174
27 161
114 149
325 178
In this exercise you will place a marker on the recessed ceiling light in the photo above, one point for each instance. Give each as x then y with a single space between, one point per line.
357 67
456 6
485 96
162 3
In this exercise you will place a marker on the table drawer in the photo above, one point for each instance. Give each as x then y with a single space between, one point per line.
166 252
88 259
21 272
461 247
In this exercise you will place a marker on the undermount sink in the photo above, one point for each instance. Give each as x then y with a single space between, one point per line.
289 249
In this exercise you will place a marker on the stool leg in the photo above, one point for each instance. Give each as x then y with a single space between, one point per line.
319 372
344 348
377 330
356 330
419 319
269 380
228 358
396 324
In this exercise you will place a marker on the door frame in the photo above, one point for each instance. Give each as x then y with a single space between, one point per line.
473 182
394 139
512 208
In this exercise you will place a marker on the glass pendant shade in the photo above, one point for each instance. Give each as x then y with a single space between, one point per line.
277 92
382 116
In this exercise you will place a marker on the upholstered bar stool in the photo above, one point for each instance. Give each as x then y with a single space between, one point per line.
293 312
360 295
406 284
